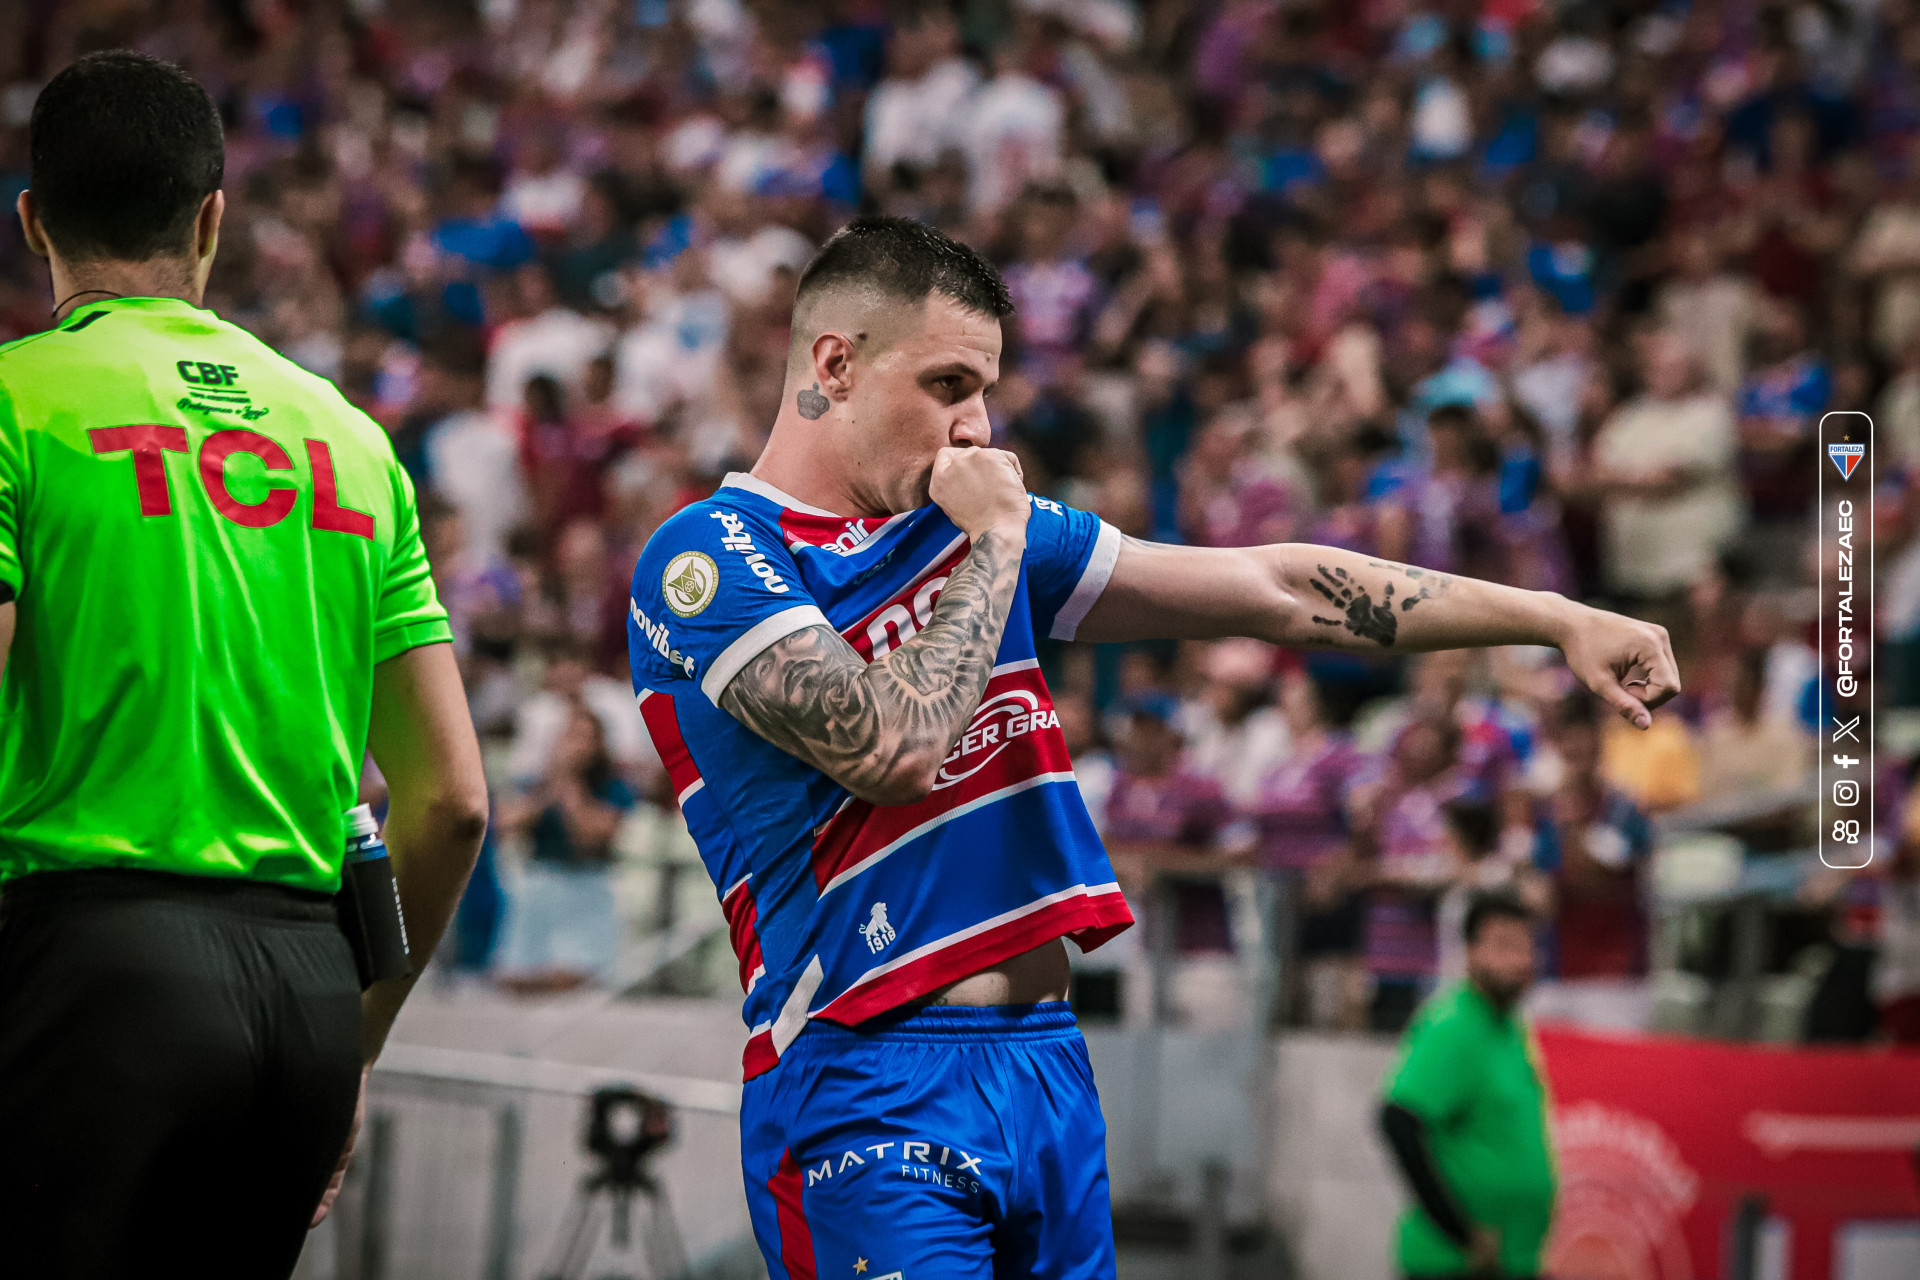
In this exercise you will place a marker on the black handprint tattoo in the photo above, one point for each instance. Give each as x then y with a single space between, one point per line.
1363 617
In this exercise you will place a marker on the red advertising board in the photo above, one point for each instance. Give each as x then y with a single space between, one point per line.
1660 1139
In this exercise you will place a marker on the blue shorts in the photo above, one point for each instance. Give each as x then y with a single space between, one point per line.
945 1143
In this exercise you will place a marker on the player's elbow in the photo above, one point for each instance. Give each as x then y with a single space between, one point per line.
905 780
895 789
460 814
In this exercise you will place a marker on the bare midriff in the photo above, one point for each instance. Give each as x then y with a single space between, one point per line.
1032 977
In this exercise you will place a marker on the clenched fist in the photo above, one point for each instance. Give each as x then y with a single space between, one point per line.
980 489
1627 662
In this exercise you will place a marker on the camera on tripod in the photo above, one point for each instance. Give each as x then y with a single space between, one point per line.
624 1128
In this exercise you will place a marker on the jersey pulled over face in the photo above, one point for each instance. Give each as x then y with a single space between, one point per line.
838 908
211 550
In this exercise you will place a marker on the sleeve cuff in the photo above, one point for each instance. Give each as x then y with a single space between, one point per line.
1093 580
391 644
755 641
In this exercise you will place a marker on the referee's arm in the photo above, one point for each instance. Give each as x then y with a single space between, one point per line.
421 736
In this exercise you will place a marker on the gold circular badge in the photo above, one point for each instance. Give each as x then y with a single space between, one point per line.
690 582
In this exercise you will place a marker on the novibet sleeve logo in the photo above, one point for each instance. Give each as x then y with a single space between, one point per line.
690 582
1846 457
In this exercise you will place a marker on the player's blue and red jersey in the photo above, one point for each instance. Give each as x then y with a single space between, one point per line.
841 909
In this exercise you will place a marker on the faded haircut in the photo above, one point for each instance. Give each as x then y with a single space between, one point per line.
901 261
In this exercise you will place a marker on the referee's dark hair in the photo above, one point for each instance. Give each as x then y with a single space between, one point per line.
903 260
1493 904
123 150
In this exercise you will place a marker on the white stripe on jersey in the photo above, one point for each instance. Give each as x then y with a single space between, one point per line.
1106 552
754 484
958 811
793 1014
756 640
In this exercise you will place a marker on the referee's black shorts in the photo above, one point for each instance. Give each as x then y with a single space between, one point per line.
179 1061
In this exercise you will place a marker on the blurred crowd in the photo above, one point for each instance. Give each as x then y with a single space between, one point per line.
1550 293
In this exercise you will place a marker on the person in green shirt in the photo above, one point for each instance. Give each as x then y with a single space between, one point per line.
213 602
1465 1113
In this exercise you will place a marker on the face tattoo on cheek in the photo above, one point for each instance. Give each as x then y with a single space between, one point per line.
811 403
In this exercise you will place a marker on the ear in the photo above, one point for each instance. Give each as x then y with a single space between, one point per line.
833 364
206 226
30 227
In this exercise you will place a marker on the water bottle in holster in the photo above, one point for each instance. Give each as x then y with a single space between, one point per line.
369 903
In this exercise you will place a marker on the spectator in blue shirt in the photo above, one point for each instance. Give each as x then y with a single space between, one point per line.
471 229
1779 406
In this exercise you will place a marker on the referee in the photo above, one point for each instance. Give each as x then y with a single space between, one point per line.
215 601
1465 1113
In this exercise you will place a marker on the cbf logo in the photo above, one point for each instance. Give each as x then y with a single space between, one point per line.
1846 457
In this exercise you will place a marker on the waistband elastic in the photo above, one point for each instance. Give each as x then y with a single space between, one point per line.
1050 1020
255 899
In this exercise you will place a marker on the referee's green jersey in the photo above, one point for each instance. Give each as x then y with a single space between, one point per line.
1471 1072
210 549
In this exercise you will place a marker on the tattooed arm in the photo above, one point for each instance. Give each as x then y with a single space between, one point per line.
1324 597
882 729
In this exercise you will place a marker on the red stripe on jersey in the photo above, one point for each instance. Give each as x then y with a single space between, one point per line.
899 618
1014 735
743 915
759 1057
836 533
796 1238
663 726
1090 919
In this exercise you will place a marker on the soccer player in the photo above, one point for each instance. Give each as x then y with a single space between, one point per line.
215 601
835 656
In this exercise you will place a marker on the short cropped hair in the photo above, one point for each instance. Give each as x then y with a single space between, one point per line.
1493 904
907 261
123 149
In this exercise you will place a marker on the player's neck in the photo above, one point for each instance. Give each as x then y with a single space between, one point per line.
800 462
78 283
